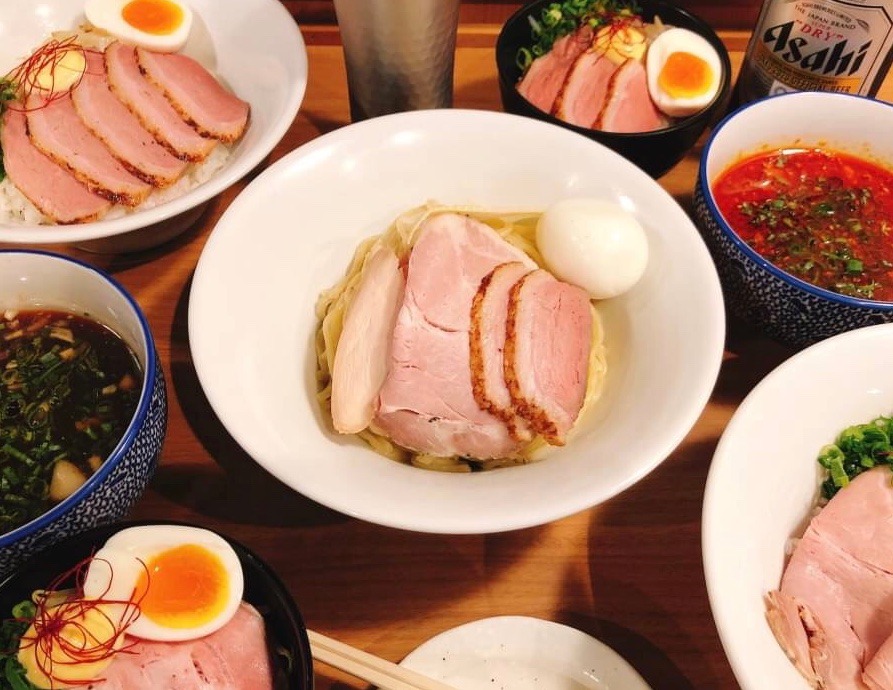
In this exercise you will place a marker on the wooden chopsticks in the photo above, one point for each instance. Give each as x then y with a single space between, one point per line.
380 672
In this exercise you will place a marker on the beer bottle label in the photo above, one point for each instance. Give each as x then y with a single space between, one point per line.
818 45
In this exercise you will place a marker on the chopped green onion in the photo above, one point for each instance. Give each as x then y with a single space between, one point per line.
559 19
854 266
857 449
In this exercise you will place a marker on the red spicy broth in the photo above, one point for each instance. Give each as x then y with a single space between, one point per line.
823 216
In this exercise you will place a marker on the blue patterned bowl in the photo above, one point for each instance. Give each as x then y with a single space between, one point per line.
783 306
31 279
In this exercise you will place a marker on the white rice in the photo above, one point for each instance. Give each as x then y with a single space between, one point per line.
15 209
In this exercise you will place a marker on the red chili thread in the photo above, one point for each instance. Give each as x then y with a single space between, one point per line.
49 55
619 23
49 621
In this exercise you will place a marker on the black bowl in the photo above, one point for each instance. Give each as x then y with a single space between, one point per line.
286 634
655 152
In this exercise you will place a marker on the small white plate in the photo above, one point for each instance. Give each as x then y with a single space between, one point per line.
522 653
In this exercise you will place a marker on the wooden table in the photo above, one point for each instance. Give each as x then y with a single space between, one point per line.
628 572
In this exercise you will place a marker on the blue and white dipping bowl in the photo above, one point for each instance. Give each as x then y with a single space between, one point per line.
31 280
783 306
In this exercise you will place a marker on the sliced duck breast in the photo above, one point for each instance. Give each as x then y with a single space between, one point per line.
56 129
195 94
489 311
233 658
585 90
840 575
362 355
426 403
628 107
547 348
150 105
120 130
52 189
546 75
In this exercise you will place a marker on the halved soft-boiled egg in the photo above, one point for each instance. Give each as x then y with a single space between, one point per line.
683 72
161 25
187 581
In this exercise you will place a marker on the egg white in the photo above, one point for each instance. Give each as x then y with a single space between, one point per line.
674 41
117 566
108 16
594 244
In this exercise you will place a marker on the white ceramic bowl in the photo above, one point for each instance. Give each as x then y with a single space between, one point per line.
291 234
764 481
253 46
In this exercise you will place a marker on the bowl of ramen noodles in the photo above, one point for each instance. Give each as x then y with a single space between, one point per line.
120 121
83 409
643 78
482 329
795 199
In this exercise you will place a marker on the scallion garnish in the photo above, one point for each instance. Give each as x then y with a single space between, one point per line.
857 449
558 19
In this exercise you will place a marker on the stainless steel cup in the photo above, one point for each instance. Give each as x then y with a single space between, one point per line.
399 54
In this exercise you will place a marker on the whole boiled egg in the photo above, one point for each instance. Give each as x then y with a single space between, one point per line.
594 244
160 25
187 581
683 72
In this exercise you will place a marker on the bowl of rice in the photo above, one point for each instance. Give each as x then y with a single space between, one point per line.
253 48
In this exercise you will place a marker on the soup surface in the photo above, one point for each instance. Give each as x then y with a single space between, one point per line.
69 387
823 216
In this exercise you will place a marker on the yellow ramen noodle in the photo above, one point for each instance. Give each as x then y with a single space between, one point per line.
518 229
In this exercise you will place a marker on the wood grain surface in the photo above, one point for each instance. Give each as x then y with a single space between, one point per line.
736 14
628 571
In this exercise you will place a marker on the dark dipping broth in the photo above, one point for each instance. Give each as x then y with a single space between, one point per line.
823 216
69 387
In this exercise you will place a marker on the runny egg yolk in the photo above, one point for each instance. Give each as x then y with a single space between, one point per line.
183 587
685 75
157 17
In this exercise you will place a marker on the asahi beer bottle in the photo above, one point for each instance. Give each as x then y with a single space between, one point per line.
818 45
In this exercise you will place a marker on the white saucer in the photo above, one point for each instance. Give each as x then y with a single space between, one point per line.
521 653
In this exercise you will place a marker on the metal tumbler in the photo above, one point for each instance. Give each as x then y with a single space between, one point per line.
399 54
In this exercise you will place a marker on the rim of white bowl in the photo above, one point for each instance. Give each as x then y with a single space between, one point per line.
136 422
750 252
683 426
709 529
219 182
